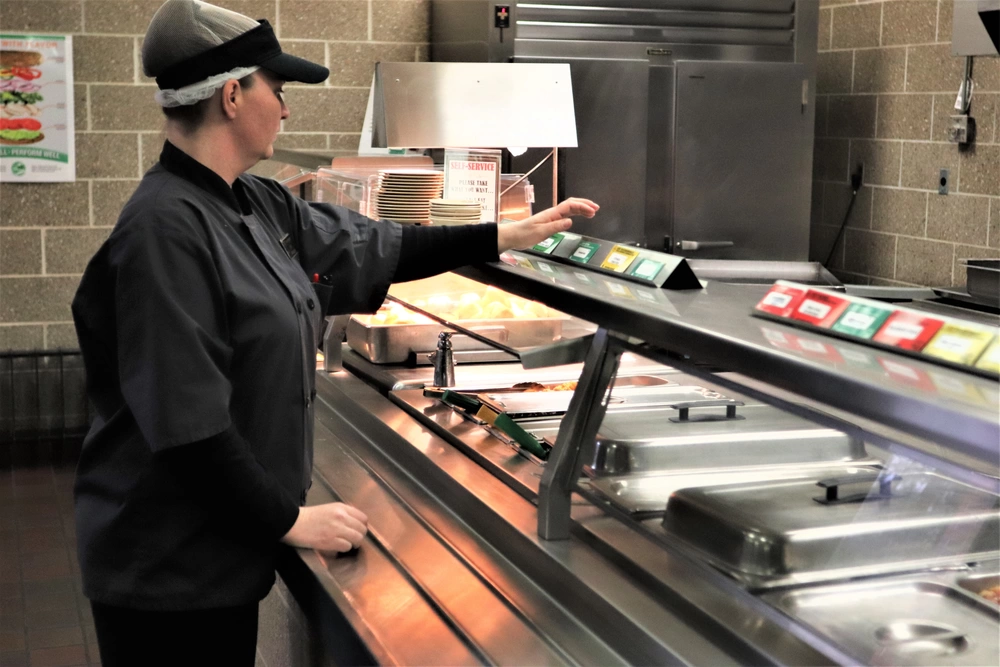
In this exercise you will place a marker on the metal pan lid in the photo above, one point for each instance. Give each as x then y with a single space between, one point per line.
854 520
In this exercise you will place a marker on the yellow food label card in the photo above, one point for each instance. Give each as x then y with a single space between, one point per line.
960 343
990 359
619 258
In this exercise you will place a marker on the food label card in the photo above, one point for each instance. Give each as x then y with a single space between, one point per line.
584 251
549 244
781 300
990 359
908 331
861 320
36 109
961 343
619 258
647 269
820 309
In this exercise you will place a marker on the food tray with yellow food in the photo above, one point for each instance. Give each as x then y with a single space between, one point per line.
397 335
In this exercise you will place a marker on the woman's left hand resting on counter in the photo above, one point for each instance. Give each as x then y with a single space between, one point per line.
531 231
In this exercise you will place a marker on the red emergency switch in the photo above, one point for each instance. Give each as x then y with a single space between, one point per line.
502 16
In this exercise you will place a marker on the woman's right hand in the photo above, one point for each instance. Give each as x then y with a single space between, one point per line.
329 527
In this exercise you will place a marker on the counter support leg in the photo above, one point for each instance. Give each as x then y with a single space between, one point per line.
579 427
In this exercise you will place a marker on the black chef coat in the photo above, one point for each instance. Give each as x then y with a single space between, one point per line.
194 316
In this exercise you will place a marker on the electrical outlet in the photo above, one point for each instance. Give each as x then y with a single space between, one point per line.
958 130
943 182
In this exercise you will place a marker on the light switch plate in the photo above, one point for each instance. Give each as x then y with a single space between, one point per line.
958 130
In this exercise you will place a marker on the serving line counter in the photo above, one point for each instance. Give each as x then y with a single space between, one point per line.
700 493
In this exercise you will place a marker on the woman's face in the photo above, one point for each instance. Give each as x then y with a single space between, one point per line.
264 111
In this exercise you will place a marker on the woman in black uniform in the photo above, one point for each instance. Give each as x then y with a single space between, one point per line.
198 326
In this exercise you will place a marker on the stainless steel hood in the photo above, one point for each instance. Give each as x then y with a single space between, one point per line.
473 105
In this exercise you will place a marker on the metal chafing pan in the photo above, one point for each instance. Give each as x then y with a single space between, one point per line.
632 441
399 343
807 530
900 621
532 405
977 583
507 393
647 495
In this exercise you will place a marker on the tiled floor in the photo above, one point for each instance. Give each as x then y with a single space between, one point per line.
44 617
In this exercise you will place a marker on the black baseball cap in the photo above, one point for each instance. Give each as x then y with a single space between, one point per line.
189 41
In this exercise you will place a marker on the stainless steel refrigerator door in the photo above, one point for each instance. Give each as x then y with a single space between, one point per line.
742 160
609 164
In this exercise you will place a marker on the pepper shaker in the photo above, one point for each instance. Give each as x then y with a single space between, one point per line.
444 361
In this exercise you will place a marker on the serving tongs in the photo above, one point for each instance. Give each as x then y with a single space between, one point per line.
487 412
457 399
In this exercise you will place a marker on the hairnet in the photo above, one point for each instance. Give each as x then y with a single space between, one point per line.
196 92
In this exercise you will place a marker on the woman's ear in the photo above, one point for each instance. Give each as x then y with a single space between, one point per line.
231 97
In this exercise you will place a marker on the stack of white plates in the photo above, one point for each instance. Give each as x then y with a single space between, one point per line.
404 195
455 211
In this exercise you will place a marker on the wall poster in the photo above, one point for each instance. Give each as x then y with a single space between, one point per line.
36 109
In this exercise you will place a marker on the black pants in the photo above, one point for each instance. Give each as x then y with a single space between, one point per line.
216 637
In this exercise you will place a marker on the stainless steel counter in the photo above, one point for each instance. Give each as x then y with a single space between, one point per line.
453 571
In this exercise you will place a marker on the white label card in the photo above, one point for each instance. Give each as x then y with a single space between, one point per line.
777 299
856 320
904 330
955 344
814 309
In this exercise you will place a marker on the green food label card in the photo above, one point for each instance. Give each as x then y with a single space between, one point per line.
861 320
584 251
549 244
647 269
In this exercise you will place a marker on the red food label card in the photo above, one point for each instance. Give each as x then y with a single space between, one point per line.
909 331
782 300
820 309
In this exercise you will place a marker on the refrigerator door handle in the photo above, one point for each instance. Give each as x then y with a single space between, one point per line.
704 245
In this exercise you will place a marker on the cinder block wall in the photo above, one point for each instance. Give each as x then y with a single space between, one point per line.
887 83
48 232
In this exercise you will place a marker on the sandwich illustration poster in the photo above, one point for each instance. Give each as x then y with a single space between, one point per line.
36 109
